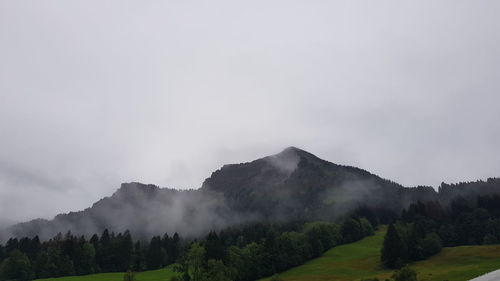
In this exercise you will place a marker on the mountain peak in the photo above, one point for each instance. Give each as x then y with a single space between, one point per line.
293 149
135 189
287 160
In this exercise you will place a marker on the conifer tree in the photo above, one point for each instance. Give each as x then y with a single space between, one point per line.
394 250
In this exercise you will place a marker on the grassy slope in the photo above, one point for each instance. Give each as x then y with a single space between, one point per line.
358 260
361 260
153 275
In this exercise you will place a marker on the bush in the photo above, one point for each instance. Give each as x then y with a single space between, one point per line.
366 227
405 274
431 245
351 231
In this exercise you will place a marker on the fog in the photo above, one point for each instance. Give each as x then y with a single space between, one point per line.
96 93
145 211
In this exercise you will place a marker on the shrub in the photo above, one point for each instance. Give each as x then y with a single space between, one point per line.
405 274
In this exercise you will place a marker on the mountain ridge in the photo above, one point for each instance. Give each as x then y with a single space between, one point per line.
290 185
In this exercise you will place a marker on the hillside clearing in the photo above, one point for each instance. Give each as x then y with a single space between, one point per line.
360 260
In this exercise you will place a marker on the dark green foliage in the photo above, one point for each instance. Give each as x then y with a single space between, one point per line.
394 250
425 227
138 262
70 255
405 274
431 245
215 247
156 254
321 236
366 227
273 250
16 267
217 271
88 264
196 262
351 230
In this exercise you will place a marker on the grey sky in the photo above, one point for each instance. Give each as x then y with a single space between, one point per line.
95 93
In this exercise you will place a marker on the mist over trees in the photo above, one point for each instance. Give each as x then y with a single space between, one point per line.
253 220
244 252
291 185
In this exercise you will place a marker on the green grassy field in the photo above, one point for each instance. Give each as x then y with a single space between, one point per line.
361 260
153 275
357 261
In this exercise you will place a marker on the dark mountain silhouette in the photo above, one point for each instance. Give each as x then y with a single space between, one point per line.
291 185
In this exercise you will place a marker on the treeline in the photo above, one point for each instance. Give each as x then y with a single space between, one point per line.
424 228
28 258
239 253
264 251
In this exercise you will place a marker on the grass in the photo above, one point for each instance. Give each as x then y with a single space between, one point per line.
360 260
357 261
459 263
163 274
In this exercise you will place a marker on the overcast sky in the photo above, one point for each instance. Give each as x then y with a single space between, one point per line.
95 93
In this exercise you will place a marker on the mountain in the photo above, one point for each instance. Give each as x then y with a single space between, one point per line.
291 185
297 184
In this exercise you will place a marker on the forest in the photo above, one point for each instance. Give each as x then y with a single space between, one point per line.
245 252
250 251
424 228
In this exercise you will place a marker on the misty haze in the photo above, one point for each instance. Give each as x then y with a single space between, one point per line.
249 140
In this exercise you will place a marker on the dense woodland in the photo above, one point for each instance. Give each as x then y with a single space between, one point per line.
27 258
253 250
424 228
246 252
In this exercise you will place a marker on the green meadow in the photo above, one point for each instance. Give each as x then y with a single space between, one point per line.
357 261
360 260
152 275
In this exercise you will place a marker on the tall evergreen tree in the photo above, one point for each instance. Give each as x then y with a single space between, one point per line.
16 267
138 261
214 247
394 250
155 254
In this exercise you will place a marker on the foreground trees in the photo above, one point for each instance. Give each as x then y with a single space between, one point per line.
26 259
424 228
394 250
257 253
16 267
241 253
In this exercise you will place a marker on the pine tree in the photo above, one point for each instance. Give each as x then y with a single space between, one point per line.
214 247
155 254
394 251
16 267
138 261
